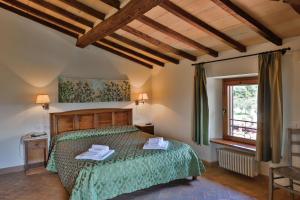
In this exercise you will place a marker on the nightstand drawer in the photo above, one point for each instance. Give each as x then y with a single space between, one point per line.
37 144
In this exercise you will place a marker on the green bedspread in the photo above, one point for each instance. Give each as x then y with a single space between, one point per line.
129 169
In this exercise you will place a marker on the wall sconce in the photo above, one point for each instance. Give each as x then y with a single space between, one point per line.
44 100
141 99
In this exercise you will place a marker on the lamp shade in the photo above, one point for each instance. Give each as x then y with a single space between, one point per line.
42 98
143 96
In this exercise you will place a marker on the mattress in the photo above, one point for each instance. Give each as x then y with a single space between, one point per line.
129 169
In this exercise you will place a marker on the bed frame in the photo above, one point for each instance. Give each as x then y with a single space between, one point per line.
88 119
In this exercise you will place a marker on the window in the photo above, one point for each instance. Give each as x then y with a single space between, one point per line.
240 109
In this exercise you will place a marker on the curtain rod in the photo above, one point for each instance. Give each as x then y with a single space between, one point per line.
282 51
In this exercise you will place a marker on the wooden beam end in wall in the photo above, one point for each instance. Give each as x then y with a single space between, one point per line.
45 16
38 20
32 16
63 12
122 55
132 52
144 48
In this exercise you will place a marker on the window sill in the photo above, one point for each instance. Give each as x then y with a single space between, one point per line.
238 145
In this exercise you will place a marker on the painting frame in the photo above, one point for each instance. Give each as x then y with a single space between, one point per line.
89 90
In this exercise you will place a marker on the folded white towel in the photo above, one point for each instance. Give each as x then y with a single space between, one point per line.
94 156
98 151
156 141
163 146
100 147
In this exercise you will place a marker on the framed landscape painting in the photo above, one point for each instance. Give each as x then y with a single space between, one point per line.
79 90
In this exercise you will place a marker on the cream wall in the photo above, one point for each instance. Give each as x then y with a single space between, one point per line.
173 94
31 58
172 105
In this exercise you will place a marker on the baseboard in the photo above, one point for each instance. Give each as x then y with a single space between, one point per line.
19 168
10 170
215 164
34 165
210 164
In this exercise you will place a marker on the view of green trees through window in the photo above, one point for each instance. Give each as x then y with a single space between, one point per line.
243 111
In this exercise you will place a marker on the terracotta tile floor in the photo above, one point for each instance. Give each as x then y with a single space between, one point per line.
216 184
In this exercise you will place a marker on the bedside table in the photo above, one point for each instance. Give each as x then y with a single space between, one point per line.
36 152
146 128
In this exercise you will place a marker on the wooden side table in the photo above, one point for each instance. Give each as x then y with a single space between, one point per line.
32 145
146 128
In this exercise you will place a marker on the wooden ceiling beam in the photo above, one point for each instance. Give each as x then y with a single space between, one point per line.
128 13
38 20
143 48
63 12
122 55
75 34
164 29
84 8
113 3
45 16
115 45
245 18
158 43
74 17
203 26
53 8
132 52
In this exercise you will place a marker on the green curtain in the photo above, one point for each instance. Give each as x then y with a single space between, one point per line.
270 115
200 106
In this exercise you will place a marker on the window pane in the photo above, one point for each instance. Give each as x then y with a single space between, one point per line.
243 111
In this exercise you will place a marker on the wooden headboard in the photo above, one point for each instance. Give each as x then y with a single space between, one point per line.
88 119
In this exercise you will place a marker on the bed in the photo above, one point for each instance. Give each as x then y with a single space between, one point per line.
129 169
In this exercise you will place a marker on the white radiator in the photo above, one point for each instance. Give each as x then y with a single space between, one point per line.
237 161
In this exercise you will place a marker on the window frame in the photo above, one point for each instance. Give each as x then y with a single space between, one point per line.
231 82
